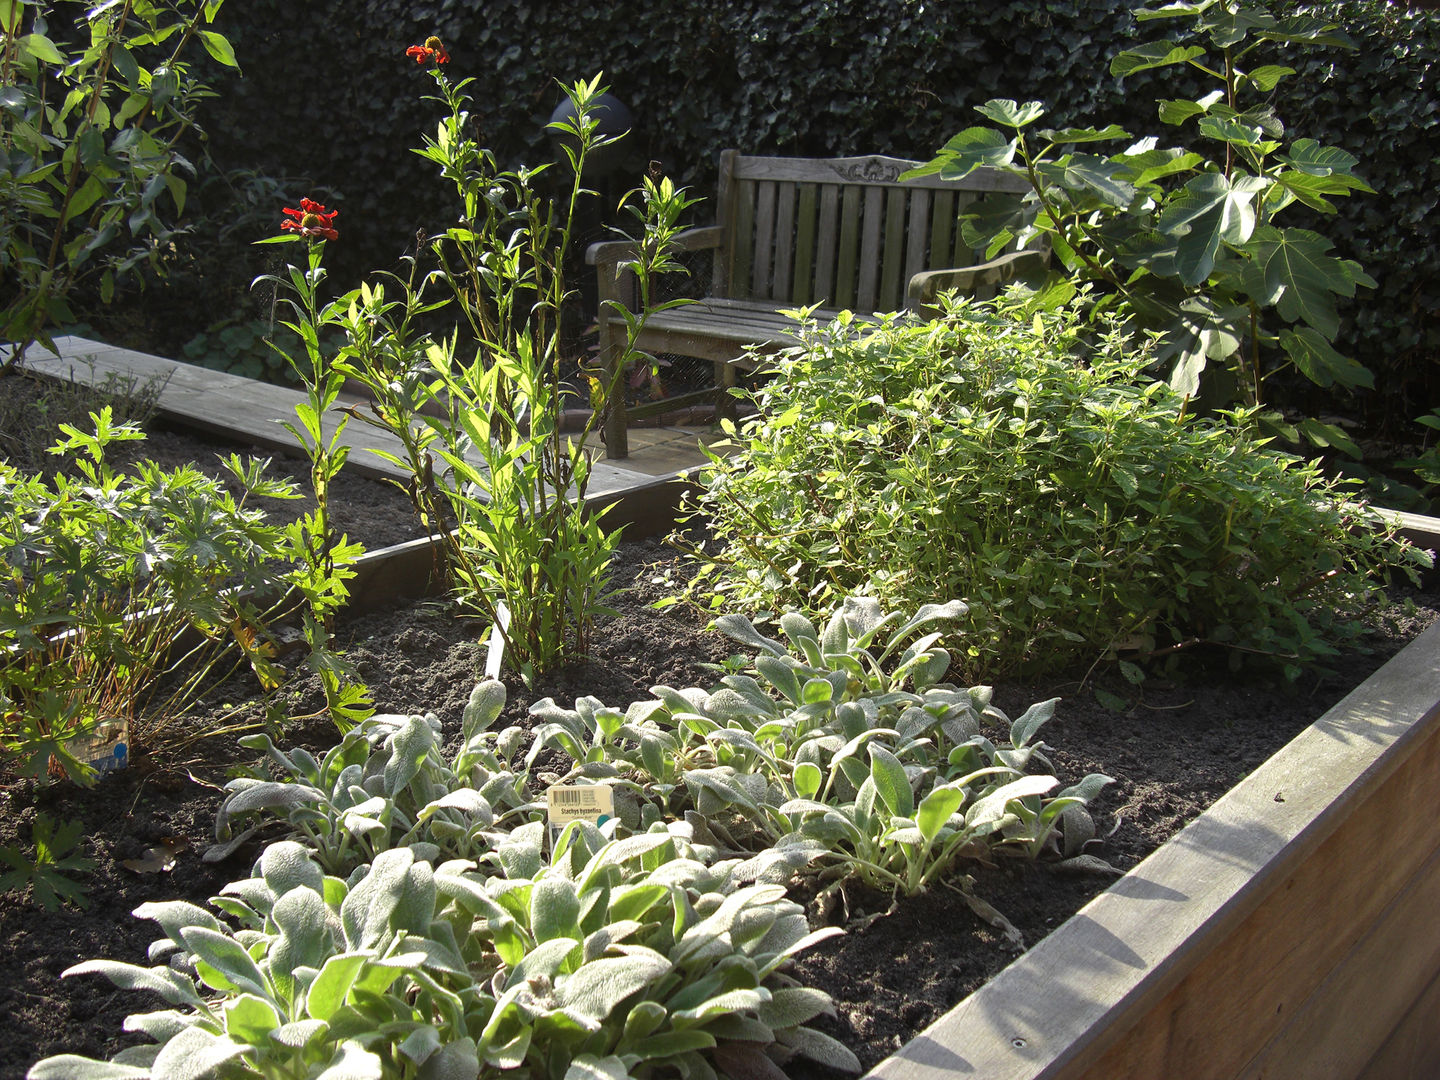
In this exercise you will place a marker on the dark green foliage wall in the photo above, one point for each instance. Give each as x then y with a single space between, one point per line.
328 93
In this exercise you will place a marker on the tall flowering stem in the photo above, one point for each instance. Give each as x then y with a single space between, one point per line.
479 410
324 560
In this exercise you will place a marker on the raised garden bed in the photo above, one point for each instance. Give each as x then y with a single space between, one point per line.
1197 755
1287 932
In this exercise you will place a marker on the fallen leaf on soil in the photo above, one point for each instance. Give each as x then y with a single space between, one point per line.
158 860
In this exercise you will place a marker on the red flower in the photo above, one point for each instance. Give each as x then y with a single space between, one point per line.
312 221
433 49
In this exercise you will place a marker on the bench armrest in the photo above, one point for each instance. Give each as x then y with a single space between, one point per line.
983 279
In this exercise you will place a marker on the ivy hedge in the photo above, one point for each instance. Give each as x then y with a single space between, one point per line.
328 93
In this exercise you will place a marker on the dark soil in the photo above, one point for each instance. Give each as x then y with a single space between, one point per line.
1173 751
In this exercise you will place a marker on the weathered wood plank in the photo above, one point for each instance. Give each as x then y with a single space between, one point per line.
803 275
942 224
720 283
828 232
1412 1052
848 249
251 412
1388 969
1114 992
872 223
917 234
742 239
764 258
784 240
892 265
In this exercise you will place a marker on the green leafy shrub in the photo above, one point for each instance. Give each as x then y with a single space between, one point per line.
828 77
84 557
57 852
508 491
89 133
1009 461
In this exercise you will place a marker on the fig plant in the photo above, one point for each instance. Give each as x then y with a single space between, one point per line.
1189 236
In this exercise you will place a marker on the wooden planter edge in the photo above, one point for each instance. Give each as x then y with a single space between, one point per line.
1218 954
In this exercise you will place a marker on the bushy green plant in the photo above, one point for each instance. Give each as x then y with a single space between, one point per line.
104 576
90 133
56 855
1010 459
324 560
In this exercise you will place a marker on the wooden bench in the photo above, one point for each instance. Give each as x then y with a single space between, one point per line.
844 233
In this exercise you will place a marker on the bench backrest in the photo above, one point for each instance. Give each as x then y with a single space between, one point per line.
845 232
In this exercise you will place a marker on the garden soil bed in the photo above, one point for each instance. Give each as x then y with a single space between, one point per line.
1173 751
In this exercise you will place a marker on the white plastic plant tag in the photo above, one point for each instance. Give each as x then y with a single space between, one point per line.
565 803
496 655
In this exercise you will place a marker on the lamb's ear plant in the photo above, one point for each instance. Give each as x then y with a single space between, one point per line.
839 747
324 976
1190 236
387 784
629 954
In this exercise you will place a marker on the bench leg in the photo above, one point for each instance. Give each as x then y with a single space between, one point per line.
724 400
617 425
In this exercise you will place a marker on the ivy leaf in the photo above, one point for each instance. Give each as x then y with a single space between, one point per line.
1211 209
1155 54
1011 114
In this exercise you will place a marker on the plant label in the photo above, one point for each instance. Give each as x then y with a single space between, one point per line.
565 803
